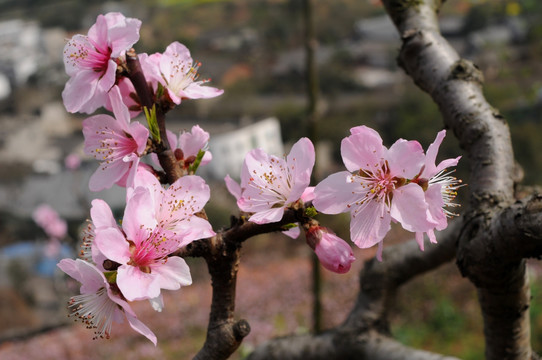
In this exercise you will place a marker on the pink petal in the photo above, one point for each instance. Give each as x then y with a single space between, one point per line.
431 156
419 240
410 209
137 285
233 187
123 32
141 328
71 52
79 91
293 232
101 215
333 194
405 158
362 150
267 216
369 226
150 65
175 58
91 279
193 228
113 245
139 215
300 162
334 253
120 110
207 157
107 174
198 91
433 197
183 198
192 142
308 194
98 34
173 274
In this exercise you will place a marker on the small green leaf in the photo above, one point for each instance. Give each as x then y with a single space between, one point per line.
111 276
311 211
153 122
159 91
288 226
194 166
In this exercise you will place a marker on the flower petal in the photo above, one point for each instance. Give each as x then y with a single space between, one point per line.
410 209
363 149
405 158
113 245
233 187
333 194
173 274
137 285
300 162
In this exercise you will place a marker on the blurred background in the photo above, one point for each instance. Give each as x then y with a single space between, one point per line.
254 51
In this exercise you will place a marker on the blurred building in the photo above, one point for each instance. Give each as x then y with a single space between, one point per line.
230 148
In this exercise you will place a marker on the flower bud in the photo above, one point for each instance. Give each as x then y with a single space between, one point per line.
332 251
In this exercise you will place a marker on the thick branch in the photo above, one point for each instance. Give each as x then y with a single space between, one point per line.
455 85
364 334
380 281
489 247
334 345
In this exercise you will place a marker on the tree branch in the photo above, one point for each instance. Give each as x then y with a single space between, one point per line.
490 246
334 345
365 332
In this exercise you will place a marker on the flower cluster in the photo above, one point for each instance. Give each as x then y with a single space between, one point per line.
400 184
134 260
131 260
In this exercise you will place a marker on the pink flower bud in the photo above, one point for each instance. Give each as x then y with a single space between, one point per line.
333 252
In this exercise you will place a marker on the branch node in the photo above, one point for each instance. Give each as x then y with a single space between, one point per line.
241 329
466 70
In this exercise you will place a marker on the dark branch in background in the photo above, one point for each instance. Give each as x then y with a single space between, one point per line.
312 88
499 233
365 332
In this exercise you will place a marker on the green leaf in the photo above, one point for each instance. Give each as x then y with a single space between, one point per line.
111 276
288 226
194 166
311 212
153 122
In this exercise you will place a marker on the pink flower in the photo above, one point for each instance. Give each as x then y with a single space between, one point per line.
440 188
177 73
332 251
116 142
376 188
90 61
72 161
308 195
156 223
271 184
187 146
100 303
129 97
47 218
